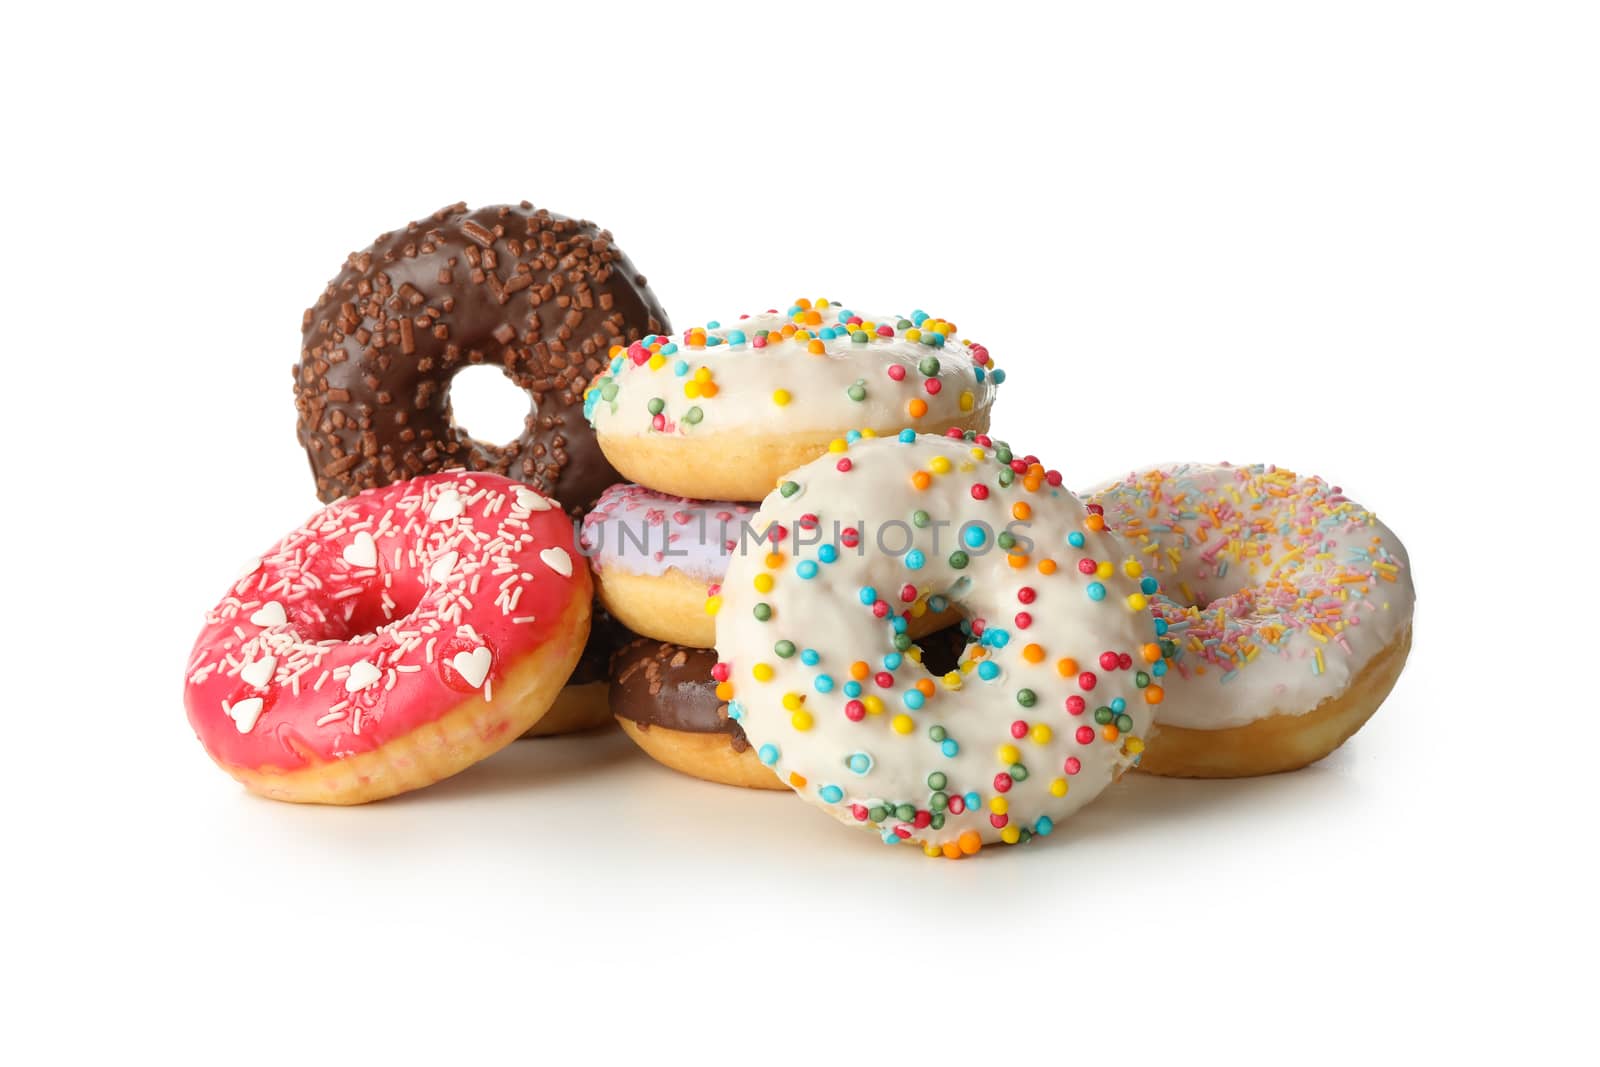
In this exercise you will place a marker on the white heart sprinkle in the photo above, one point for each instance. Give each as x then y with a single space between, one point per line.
473 666
362 674
269 614
247 568
447 507
245 713
259 673
528 500
440 571
362 552
557 560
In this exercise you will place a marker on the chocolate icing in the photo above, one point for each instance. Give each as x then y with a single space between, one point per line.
540 295
654 683
606 635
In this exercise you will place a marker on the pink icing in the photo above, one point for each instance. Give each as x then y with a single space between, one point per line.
381 630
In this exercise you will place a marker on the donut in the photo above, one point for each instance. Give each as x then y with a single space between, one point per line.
540 296
1287 607
657 558
1051 702
583 703
665 699
654 557
396 638
722 412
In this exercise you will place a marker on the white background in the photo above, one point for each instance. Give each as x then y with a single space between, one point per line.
1360 240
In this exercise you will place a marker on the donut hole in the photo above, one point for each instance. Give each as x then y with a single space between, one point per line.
487 406
362 615
1237 603
1236 592
943 650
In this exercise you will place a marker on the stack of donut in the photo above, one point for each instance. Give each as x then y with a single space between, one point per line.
543 298
439 607
782 551
717 416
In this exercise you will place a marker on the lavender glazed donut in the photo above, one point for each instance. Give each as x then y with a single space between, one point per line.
657 557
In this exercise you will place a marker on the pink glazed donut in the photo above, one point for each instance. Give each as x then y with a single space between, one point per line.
396 638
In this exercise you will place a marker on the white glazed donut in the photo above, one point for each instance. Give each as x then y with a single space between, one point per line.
720 412
1287 606
1046 711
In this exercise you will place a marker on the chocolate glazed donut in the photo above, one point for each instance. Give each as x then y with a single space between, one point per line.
606 636
658 684
665 700
541 296
584 702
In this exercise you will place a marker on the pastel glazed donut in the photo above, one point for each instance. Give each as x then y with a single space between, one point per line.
584 702
1286 607
665 699
393 640
654 557
540 296
721 412
1049 705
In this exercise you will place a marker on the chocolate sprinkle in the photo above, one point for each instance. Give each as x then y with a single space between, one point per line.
542 296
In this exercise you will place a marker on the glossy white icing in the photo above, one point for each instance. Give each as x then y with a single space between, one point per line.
1002 749
814 369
